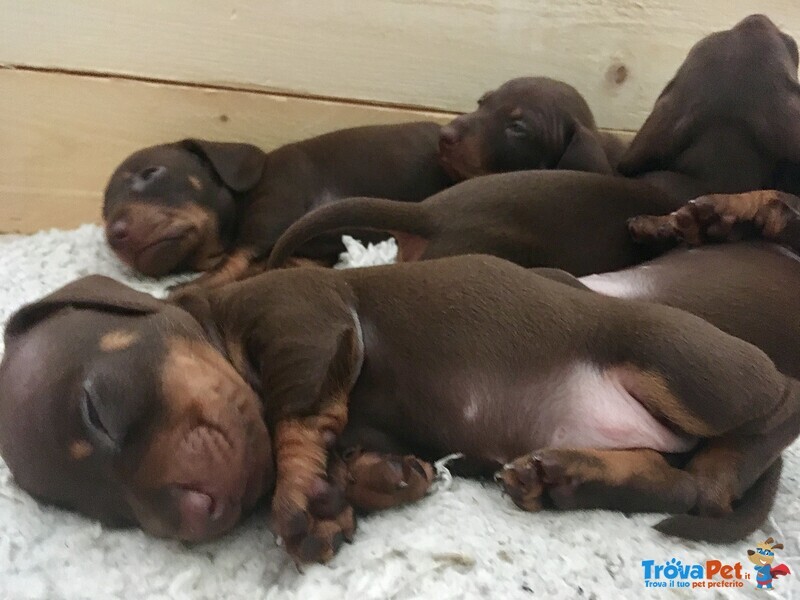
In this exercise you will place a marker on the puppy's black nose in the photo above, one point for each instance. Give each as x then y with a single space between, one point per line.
118 230
448 136
145 177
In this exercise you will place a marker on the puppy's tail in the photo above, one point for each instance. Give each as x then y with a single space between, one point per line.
408 222
750 512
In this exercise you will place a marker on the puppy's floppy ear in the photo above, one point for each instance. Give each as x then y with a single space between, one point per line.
93 292
658 139
584 152
239 166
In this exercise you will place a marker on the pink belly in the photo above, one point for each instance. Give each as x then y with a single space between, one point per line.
580 406
592 409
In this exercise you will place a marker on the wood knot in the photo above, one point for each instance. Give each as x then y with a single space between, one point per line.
617 73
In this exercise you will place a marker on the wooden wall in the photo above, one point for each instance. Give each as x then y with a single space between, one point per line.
85 82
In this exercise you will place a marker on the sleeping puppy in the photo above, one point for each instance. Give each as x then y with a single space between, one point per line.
729 121
614 404
219 207
118 406
566 220
527 123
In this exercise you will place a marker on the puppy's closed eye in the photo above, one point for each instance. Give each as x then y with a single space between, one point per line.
93 421
518 128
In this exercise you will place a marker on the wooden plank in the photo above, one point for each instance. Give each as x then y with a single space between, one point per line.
434 53
62 135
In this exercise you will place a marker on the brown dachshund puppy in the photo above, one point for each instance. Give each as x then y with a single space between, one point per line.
613 403
571 221
117 405
729 121
589 414
218 207
527 123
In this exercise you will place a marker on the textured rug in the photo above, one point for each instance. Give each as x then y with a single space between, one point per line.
463 541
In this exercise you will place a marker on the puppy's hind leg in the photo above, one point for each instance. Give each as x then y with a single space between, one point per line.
770 214
637 480
737 478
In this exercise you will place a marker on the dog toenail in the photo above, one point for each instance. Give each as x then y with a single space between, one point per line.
337 541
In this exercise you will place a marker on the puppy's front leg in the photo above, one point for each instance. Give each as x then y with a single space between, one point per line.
309 512
311 378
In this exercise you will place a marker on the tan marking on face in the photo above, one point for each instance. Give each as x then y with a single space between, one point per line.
209 251
209 429
118 339
197 226
80 449
195 183
194 368
516 113
652 391
199 385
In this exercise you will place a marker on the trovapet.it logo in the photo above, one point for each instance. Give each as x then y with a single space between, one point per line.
717 574
709 574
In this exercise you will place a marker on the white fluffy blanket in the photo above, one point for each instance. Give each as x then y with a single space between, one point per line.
466 541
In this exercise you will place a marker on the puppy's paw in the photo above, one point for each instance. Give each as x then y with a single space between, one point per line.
707 218
650 229
554 474
523 481
314 524
378 481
